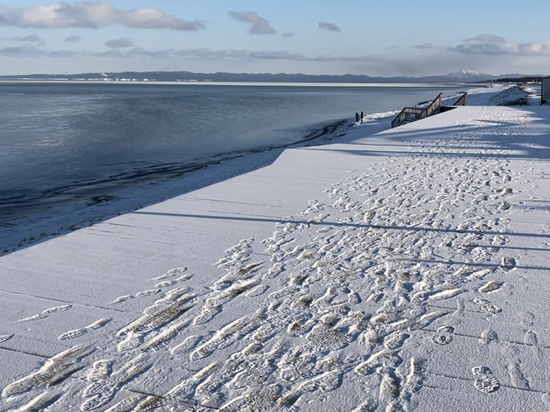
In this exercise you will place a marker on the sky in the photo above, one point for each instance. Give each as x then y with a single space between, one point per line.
376 38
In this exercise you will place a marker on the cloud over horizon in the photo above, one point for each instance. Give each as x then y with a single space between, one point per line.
259 24
120 43
31 38
424 46
29 50
227 54
329 26
73 39
124 49
92 14
487 44
209 54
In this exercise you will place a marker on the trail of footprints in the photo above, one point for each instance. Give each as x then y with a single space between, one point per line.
46 313
335 294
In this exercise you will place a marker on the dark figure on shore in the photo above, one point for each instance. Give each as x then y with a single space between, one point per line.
362 116
356 117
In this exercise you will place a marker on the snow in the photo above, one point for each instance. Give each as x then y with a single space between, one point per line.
400 270
469 75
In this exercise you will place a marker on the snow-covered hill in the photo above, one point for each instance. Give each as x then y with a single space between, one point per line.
469 75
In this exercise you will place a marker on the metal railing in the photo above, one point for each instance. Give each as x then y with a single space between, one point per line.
411 114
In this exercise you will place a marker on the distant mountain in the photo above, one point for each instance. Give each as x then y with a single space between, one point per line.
469 75
461 76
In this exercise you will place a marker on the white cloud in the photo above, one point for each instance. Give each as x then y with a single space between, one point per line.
158 54
206 59
487 38
487 44
62 53
228 54
92 14
112 53
25 50
120 43
425 46
73 39
28 50
329 26
224 59
32 38
240 54
259 24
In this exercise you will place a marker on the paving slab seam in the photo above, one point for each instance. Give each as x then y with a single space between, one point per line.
229 202
63 301
25 353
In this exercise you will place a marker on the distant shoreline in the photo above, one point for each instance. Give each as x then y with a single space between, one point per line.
459 77
270 84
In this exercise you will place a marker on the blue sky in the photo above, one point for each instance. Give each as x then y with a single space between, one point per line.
378 38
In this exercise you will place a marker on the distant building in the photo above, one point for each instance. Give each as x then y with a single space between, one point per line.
545 90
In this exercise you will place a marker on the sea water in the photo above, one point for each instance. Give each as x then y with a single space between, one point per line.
64 142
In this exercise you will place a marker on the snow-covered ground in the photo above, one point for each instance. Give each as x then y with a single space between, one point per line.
403 270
